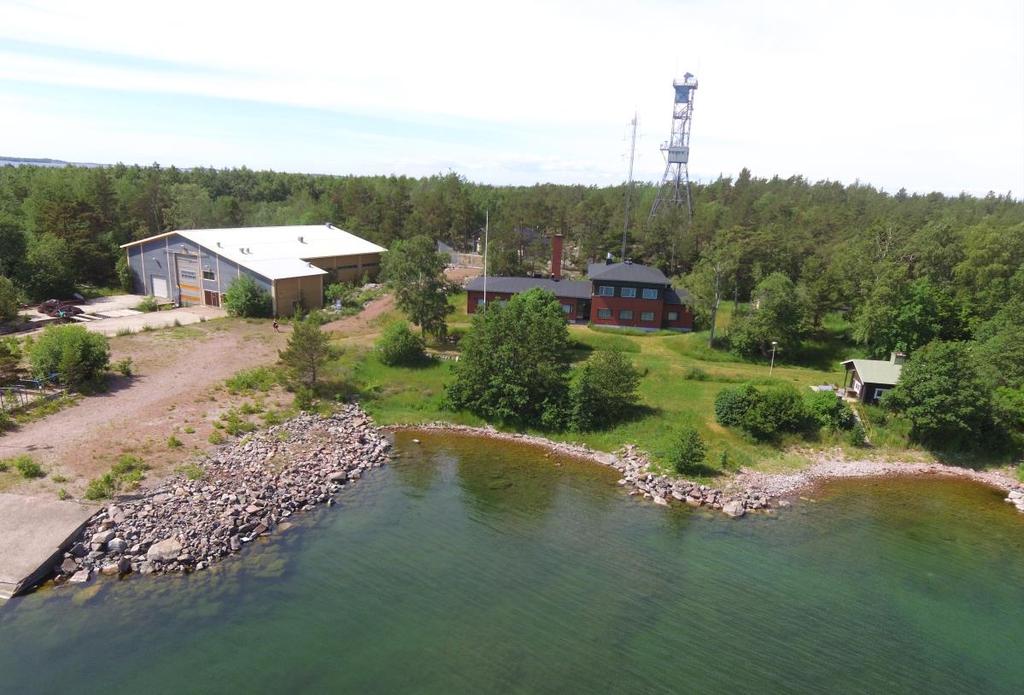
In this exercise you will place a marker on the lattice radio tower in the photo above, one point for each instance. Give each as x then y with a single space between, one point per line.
675 184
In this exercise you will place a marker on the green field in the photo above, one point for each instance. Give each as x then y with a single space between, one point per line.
681 376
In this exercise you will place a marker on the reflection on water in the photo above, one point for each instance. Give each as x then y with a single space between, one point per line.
478 566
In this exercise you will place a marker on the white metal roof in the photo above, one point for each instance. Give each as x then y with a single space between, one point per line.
279 252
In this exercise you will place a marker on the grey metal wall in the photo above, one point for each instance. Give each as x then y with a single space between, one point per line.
156 257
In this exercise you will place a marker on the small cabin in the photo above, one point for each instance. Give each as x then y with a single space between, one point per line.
867 381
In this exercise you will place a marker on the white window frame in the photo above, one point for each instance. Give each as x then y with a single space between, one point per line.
605 291
628 292
567 308
879 392
649 293
673 316
647 316
604 313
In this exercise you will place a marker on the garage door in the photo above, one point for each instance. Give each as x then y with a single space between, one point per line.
159 286
188 280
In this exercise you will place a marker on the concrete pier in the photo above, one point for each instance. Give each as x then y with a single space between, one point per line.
34 532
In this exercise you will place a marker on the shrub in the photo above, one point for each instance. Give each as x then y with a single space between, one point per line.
189 429
74 354
764 414
603 391
235 424
173 442
121 332
192 471
215 438
732 404
6 421
24 464
829 411
124 366
149 303
247 299
255 379
62 494
10 360
8 300
696 374
688 452
305 399
398 345
124 273
777 410
127 473
856 436
59 479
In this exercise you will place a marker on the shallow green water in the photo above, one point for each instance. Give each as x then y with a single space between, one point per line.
476 567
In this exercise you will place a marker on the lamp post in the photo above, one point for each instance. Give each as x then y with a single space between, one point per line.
775 344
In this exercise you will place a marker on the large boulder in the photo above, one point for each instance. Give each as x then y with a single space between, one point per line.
734 508
165 551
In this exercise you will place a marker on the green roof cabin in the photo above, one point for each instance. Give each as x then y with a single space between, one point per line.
868 380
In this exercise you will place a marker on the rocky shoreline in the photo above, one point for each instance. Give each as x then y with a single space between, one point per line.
745 491
633 465
247 490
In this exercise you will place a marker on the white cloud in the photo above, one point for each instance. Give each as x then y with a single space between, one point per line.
927 95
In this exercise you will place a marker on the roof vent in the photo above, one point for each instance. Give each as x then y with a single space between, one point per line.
241 250
301 240
329 225
219 245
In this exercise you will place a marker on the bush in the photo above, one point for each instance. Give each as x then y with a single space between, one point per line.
689 451
398 345
856 435
829 411
696 374
764 414
732 404
62 494
127 473
124 274
10 360
255 379
8 300
149 303
603 391
777 410
192 471
71 352
124 367
27 467
215 438
247 299
173 442
24 464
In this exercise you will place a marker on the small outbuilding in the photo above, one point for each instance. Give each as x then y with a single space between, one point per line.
867 381
292 263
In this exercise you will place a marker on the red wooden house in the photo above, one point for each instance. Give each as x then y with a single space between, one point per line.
614 294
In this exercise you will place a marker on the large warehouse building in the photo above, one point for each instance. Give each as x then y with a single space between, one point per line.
293 263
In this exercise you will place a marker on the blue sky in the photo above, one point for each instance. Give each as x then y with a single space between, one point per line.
926 95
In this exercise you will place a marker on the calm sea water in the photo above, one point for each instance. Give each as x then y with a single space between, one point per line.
478 567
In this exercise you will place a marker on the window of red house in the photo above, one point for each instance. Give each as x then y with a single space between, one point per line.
626 314
604 313
650 293
628 292
605 291
673 316
646 315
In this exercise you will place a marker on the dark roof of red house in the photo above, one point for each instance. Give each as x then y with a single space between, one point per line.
570 289
627 272
673 296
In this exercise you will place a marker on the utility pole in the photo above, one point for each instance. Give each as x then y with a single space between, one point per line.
629 188
487 226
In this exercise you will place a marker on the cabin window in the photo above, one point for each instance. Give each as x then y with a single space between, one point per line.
673 316
567 308
209 275
606 291
879 393
626 314
647 316
480 301
628 292
604 313
650 293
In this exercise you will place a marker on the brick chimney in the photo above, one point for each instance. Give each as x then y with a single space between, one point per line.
556 257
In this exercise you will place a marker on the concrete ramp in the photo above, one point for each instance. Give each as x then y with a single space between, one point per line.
34 532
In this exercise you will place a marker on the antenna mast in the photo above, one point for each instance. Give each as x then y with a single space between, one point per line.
629 188
675 183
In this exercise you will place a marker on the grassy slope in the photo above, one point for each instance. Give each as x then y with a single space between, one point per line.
413 395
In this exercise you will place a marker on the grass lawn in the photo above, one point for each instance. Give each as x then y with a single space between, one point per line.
682 375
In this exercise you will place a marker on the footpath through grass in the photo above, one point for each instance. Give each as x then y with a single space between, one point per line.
681 376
